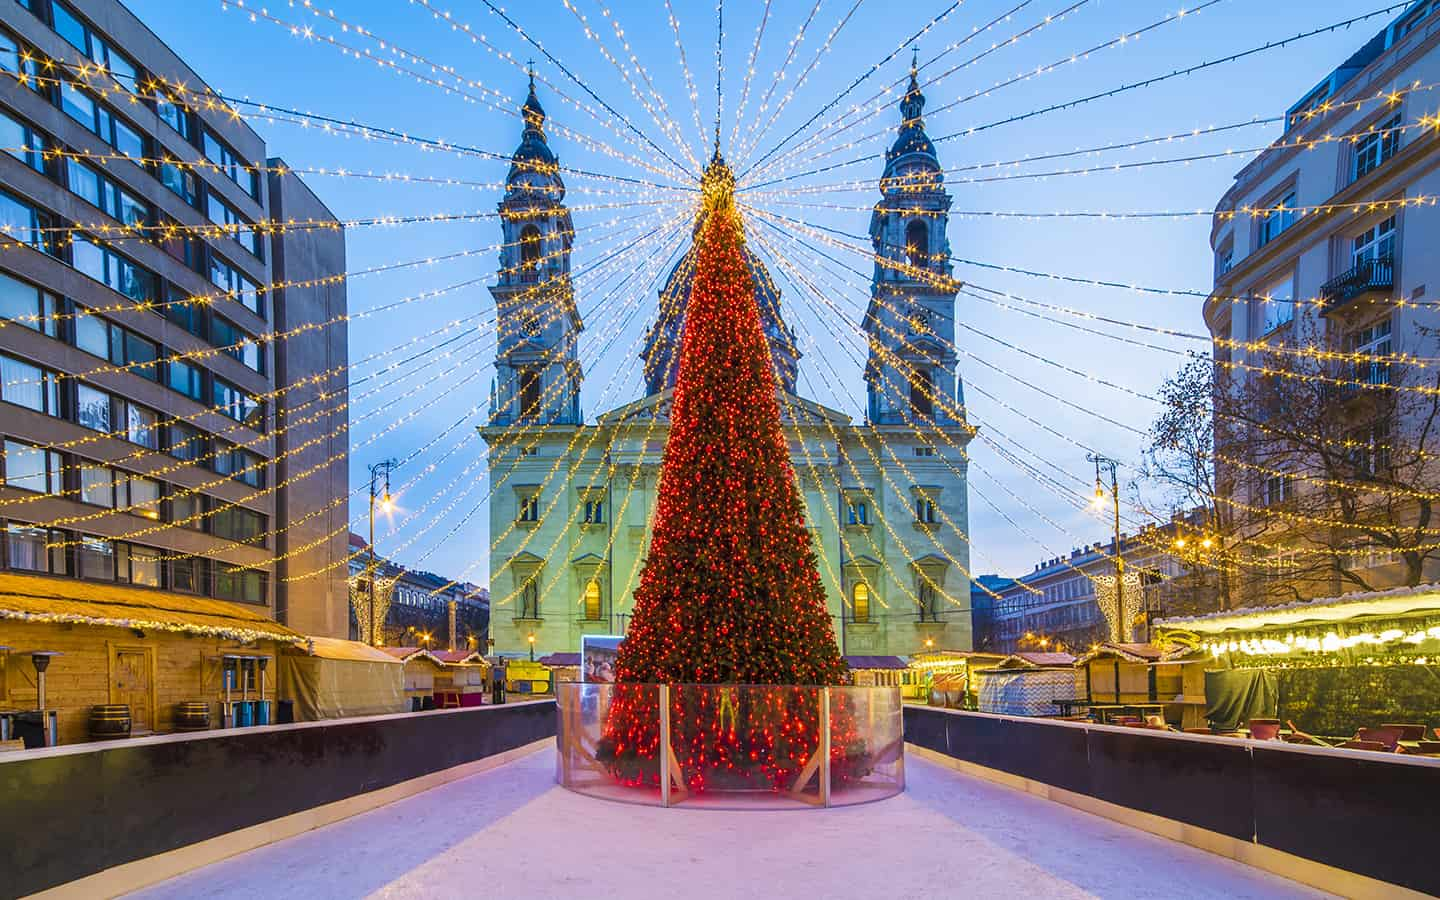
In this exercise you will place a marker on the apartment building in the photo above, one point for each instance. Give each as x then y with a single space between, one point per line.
426 610
156 432
1326 240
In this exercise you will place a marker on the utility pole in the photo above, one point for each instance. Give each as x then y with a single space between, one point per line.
386 504
1105 462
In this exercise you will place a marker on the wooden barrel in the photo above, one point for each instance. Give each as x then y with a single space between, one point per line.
192 715
108 721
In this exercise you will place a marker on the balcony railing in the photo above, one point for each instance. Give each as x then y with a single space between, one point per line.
1368 275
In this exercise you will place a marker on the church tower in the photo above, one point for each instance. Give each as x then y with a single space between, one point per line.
910 375
538 323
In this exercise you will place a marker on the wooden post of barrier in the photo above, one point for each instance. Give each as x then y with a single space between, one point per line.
825 746
664 745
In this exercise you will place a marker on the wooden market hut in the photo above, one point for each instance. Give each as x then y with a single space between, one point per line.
876 671
145 649
1330 665
421 670
331 678
561 667
946 677
1158 680
464 681
1026 684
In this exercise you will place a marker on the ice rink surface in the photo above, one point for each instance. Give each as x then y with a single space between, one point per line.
512 833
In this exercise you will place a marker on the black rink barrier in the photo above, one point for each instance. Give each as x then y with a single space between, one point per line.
1373 814
74 811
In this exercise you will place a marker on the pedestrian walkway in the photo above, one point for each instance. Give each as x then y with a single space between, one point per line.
511 832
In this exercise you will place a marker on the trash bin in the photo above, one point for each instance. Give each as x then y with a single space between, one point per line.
284 712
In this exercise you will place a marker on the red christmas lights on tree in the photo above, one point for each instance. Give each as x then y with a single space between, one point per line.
730 593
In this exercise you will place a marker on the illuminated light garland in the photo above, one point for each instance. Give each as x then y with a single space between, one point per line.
749 74
502 103
877 103
775 79
685 70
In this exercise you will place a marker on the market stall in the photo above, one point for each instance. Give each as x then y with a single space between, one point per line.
559 667
464 681
1332 666
329 678
1026 684
1145 680
945 677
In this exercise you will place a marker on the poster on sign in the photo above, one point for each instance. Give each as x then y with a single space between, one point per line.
598 653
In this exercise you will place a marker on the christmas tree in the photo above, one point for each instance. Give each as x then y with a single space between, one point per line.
730 593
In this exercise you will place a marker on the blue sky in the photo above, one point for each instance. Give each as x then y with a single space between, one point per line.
1014 522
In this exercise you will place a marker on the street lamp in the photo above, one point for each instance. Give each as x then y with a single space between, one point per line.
387 503
532 647
1105 462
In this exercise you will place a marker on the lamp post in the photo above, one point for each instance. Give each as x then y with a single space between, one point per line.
1105 462
386 504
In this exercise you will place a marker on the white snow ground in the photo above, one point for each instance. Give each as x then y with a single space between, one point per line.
512 833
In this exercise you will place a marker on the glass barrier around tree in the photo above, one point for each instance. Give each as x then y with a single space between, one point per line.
730 746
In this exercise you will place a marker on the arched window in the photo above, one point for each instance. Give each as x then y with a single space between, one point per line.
529 393
917 244
529 252
592 601
861 598
921 395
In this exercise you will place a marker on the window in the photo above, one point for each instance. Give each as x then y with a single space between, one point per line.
35 549
29 306
529 393
113 270
139 496
1376 244
1375 146
181 182
98 119
860 598
1278 489
186 379
76 34
105 194
237 524
592 601
171 112
142 426
857 512
21 222
13 59
921 394
222 214
188 314
97 484
19 139
232 165
95 558
83 181
530 508
238 405
1280 217
183 247
1368 343
1412 21
529 253
33 468
925 511
239 585
237 344
1224 259
1370 449
1277 304
242 465
530 598
917 244
92 408
187 575
187 509
594 512
137 565
29 386
236 286
185 442
121 346
924 451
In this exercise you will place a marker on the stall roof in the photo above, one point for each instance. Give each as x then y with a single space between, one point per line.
1133 652
458 657
353 651
559 660
1397 602
29 598
876 662
405 654
1029 660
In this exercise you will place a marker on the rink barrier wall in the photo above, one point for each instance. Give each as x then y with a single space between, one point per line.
1351 822
101 819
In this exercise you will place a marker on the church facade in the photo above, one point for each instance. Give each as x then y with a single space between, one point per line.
886 501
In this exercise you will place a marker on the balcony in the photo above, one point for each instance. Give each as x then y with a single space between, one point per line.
1369 276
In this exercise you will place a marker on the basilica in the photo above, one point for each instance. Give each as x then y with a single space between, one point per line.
886 500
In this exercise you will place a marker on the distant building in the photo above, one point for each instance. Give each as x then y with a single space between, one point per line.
1057 602
420 605
983 593
885 501
1328 238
